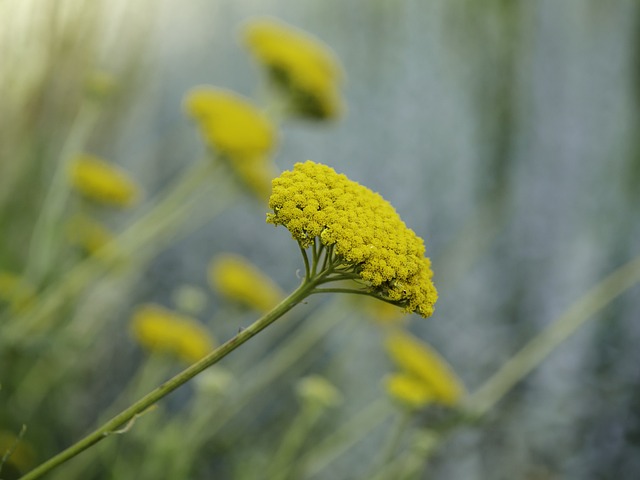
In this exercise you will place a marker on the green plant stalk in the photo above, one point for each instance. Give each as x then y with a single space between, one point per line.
46 230
158 220
534 352
537 349
129 414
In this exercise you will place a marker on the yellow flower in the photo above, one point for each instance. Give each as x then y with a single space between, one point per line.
238 280
410 390
88 234
164 331
302 65
230 123
256 174
361 228
15 291
425 376
22 456
102 181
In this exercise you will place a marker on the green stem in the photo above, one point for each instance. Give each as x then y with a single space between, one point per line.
165 214
534 352
129 414
44 236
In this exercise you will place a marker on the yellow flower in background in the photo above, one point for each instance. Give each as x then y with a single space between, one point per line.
256 175
410 390
230 123
424 376
302 65
102 181
240 281
22 455
161 330
15 291
362 229
88 233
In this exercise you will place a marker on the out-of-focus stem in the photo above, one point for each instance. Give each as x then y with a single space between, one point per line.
129 414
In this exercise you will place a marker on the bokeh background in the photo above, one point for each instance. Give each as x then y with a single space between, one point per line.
505 133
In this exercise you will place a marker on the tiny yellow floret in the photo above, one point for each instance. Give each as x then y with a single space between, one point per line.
300 64
313 201
163 331
103 182
419 362
240 281
230 123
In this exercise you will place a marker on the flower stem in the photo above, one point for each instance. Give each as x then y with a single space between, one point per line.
129 414
534 352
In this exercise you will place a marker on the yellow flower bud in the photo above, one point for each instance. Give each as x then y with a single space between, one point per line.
304 67
230 124
421 365
161 330
240 281
102 181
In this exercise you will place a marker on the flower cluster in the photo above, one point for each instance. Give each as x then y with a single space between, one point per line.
301 65
238 280
424 376
363 230
102 181
163 331
230 123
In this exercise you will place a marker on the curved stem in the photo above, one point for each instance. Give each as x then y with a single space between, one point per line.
129 414
305 257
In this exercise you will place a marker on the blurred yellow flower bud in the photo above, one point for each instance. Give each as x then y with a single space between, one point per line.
301 65
88 234
161 330
229 123
240 281
103 182
424 376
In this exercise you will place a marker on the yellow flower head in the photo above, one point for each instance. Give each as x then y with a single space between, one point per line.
88 234
365 232
162 330
230 123
410 390
15 291
238 280
102 181
301 64
425 376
